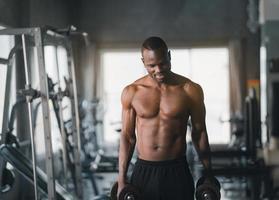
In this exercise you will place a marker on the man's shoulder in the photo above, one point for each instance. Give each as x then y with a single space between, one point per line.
133 87
190 87
193 90
187 83
130 90
141 81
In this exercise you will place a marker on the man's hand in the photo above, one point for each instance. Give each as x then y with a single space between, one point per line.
121 185
208 187
124 190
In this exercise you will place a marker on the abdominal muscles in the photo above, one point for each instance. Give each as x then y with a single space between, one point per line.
161 139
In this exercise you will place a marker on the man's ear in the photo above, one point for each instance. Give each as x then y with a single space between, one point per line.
142 60
169 55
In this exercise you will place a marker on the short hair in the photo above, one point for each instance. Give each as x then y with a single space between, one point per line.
154 43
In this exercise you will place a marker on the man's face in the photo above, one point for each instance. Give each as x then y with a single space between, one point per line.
157 64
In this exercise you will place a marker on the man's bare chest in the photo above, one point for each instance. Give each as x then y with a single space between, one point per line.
153 103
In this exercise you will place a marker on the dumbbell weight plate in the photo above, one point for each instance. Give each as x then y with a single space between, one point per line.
129 192
208 189
113 192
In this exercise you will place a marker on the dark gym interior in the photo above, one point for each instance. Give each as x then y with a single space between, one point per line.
65 63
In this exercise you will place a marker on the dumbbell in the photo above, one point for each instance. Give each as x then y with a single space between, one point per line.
208 188
129 192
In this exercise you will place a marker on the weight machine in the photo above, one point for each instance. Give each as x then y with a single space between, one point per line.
31 43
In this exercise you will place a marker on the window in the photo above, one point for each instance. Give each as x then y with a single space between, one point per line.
208 67
120 69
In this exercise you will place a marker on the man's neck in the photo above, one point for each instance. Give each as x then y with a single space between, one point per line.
170 80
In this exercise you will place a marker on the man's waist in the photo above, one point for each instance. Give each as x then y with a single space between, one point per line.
164 162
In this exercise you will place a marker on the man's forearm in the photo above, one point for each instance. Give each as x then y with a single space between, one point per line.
126 150
206 159
203 149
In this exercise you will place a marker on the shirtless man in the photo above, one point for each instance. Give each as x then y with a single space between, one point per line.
155 111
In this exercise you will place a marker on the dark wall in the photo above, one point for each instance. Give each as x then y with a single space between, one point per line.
180 22
29 13
130 21
176 20
10 12
57 13
252 56
121 23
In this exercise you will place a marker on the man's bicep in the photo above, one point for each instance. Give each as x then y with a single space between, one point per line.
197 110
128 112
198 115
198 125
128 121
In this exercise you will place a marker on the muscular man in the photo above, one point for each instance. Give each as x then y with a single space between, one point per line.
155 111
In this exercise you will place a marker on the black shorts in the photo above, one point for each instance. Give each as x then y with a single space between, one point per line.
163 180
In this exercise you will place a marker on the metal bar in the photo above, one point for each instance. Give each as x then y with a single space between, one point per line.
3 61
76 123
53 40
54 34
6 108
17 31
5 121
6 112
46 115
25 60
51 36
61 118
29 99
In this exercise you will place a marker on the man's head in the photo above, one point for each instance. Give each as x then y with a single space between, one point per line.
156 58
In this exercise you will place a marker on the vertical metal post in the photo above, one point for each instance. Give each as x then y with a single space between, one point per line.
61 118
29 99
76 123
6 107
6 110
46 115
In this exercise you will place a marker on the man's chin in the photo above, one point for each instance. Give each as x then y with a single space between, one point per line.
160 80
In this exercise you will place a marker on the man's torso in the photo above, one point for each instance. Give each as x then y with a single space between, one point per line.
161 119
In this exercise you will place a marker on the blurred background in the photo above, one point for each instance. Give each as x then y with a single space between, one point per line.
64 64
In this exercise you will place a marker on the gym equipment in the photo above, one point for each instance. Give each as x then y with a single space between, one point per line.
208 188
250 173
67 150
3 61
129 192
7 176
6 107
8 180
30 93
24 167
9 152
252 125
33 40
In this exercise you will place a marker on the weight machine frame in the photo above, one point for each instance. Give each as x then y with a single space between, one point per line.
48 36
